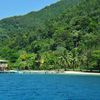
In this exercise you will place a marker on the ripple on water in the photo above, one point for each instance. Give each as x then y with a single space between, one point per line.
49 87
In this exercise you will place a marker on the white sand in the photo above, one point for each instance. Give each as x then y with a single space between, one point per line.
57 72
51 72
82 73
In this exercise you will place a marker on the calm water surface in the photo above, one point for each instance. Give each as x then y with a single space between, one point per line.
49 87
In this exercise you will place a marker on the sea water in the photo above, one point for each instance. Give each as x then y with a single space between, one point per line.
49 87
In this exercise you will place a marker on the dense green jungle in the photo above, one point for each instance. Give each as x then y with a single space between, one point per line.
64 35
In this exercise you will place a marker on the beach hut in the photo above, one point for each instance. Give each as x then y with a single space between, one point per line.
3 65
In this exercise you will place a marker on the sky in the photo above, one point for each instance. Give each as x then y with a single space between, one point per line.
10 8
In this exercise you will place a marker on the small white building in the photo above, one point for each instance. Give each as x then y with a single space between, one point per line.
3 65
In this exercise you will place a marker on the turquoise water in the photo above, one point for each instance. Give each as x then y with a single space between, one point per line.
49 87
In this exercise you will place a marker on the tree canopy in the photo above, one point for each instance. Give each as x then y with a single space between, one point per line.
63 35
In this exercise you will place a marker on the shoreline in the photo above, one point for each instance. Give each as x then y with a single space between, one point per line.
50 72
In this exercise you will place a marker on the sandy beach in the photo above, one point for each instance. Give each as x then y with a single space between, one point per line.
82 73
56 72
50 72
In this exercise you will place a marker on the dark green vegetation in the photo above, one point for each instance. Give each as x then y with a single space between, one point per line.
64 35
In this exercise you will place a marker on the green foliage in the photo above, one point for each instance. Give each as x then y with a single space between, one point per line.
63 35
25 61
96 58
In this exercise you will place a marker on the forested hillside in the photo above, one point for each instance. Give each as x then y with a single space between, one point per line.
64 35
